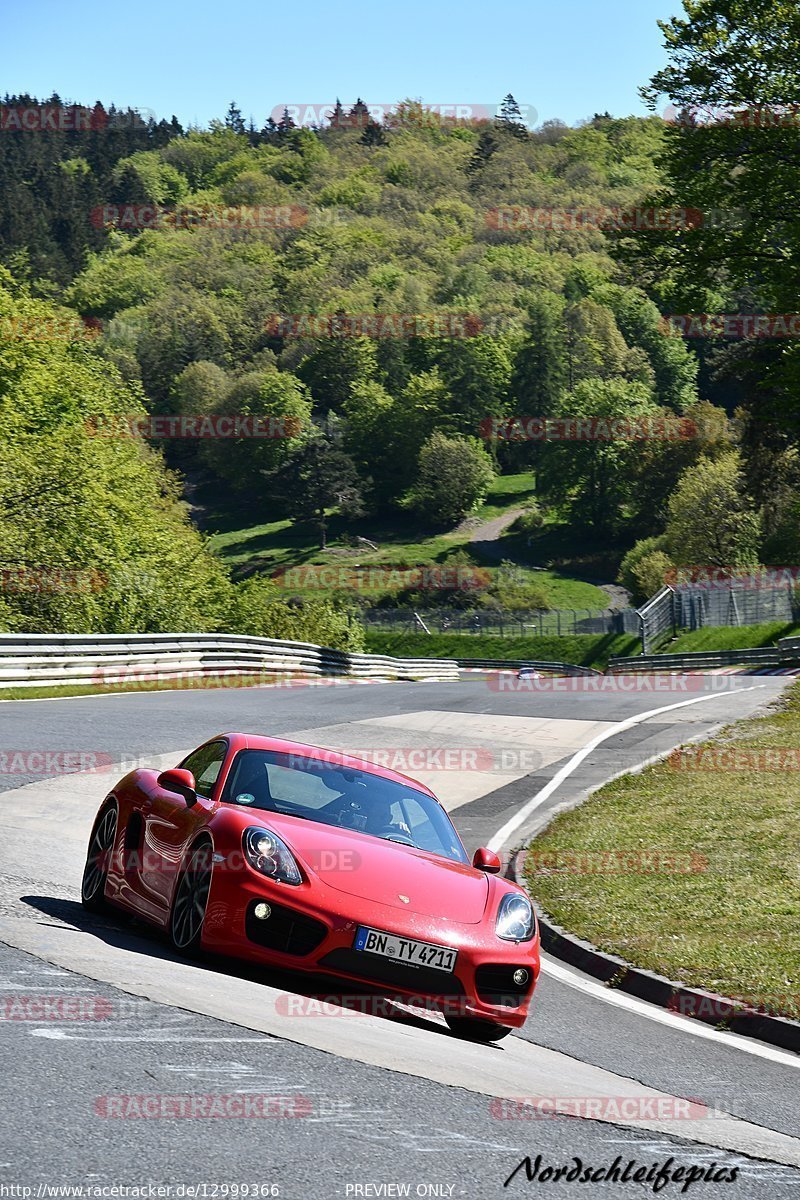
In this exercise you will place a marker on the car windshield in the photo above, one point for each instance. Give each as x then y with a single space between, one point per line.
335 794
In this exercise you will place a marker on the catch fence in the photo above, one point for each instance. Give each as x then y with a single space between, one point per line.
502 623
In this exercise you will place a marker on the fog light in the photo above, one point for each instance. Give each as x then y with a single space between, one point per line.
520 977
262 911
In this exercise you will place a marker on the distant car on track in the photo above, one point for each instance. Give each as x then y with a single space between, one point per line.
298 857
528 673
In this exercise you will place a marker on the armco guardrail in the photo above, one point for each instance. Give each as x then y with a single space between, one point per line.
514 664
769 657
36 660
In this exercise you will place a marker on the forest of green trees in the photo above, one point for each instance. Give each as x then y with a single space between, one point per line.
244 272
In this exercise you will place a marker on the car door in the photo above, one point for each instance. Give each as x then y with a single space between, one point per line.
171 824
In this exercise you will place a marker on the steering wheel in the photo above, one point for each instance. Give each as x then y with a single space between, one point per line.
390 833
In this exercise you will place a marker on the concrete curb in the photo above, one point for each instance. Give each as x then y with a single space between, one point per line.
734 1016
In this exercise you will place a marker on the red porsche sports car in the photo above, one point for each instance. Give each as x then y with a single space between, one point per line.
302 858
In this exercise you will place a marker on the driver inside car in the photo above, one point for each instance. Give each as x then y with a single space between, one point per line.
380 821
357 809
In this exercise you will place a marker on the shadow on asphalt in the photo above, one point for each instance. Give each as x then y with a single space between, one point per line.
129 933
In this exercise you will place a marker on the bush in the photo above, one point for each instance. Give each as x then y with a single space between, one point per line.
638 581
530 521
651 573
259 611
456 582
453 477
513 591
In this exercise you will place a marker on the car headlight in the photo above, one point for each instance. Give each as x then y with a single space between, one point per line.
515 922
266 852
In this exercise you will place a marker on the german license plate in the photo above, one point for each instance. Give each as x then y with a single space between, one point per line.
405 950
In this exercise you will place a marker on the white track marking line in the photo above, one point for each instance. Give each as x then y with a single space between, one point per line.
652 1012
513 824
590 987
59 1035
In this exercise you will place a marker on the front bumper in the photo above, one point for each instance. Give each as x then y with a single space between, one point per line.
312 928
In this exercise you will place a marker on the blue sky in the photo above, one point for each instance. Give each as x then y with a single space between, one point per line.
566 59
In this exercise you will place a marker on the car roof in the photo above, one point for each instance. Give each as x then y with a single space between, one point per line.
252 741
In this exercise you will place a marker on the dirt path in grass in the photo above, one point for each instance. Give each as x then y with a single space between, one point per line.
485 538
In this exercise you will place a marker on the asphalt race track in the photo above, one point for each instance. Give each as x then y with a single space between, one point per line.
365 1105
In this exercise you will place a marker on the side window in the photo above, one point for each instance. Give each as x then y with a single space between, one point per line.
206 764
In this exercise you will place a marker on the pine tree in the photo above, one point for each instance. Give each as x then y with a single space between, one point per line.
373 134
486 147
510 117
509 109
318 476
269 131
234 119
285 126
539 371
358 117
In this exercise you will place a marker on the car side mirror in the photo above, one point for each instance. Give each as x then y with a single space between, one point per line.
486 860
180 781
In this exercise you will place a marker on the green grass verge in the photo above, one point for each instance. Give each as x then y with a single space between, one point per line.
507 491
156 685
726 920
588 650
736 637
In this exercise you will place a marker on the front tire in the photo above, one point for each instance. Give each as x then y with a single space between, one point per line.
472 1029
98 857
189 905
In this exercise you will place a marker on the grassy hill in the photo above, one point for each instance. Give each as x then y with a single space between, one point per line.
271 547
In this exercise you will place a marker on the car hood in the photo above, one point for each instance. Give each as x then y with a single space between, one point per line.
385 872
